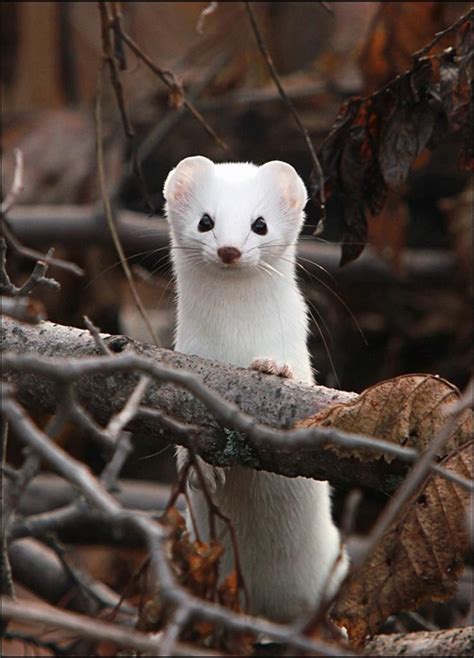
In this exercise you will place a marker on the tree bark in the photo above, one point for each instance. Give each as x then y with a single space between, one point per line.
452 642
272 401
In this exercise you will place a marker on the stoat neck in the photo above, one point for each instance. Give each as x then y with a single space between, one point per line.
239 315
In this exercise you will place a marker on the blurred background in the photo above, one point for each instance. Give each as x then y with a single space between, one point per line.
405 305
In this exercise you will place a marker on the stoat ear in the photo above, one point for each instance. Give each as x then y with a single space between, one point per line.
292 190
183 180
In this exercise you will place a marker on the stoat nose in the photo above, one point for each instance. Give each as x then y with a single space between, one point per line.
229 255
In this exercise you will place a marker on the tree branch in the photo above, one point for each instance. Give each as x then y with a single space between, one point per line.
451 642
267 406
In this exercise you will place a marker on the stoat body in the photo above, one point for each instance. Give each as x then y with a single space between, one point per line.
234 229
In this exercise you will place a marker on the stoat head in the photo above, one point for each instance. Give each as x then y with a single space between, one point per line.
234 216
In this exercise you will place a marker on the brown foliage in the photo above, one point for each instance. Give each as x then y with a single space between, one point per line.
408 410
418 559
375 140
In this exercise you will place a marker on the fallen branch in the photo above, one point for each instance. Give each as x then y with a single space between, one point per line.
103 385
451 642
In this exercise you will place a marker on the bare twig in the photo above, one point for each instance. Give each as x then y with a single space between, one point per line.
163 128
168 78
171 635
36 278
36 255
108 54
86 627
108 210
170 592
17 185
207 11
440 35
289 103
95 333
111 472
6 206
41 570
69 468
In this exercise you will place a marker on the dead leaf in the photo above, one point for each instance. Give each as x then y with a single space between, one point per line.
376 140
418 559
407 410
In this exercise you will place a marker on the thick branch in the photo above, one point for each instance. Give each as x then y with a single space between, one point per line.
271 401
451 642
39 569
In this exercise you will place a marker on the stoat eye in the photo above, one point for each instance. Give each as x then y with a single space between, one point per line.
205 223
260 226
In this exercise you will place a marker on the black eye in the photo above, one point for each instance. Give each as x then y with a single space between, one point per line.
205 223
260 226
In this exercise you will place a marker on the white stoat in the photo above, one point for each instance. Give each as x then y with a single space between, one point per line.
234 228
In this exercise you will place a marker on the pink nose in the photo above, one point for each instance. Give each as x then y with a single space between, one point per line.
228 255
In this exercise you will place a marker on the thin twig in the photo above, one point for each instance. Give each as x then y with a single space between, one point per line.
36 255
168 78
108 210
114 24
95 333
207 11
440 35
7 205
173 630
17 185
170 592
111 472
36 278
86 627
286 99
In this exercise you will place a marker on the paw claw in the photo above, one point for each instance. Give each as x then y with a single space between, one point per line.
271 367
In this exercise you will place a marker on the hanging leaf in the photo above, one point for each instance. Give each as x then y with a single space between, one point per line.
376 140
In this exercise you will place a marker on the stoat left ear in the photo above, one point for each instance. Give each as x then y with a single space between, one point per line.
293 194
183 181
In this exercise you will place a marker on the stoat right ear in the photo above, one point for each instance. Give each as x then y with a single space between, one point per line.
184 178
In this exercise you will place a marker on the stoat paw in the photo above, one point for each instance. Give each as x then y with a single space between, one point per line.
271 367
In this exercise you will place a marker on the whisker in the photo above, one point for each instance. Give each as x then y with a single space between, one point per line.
312 307
329 289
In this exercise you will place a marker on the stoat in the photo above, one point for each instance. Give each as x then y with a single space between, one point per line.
234 229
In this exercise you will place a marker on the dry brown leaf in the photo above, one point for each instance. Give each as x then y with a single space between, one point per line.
407 410
418 559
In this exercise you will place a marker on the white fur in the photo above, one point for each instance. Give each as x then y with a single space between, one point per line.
287 541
